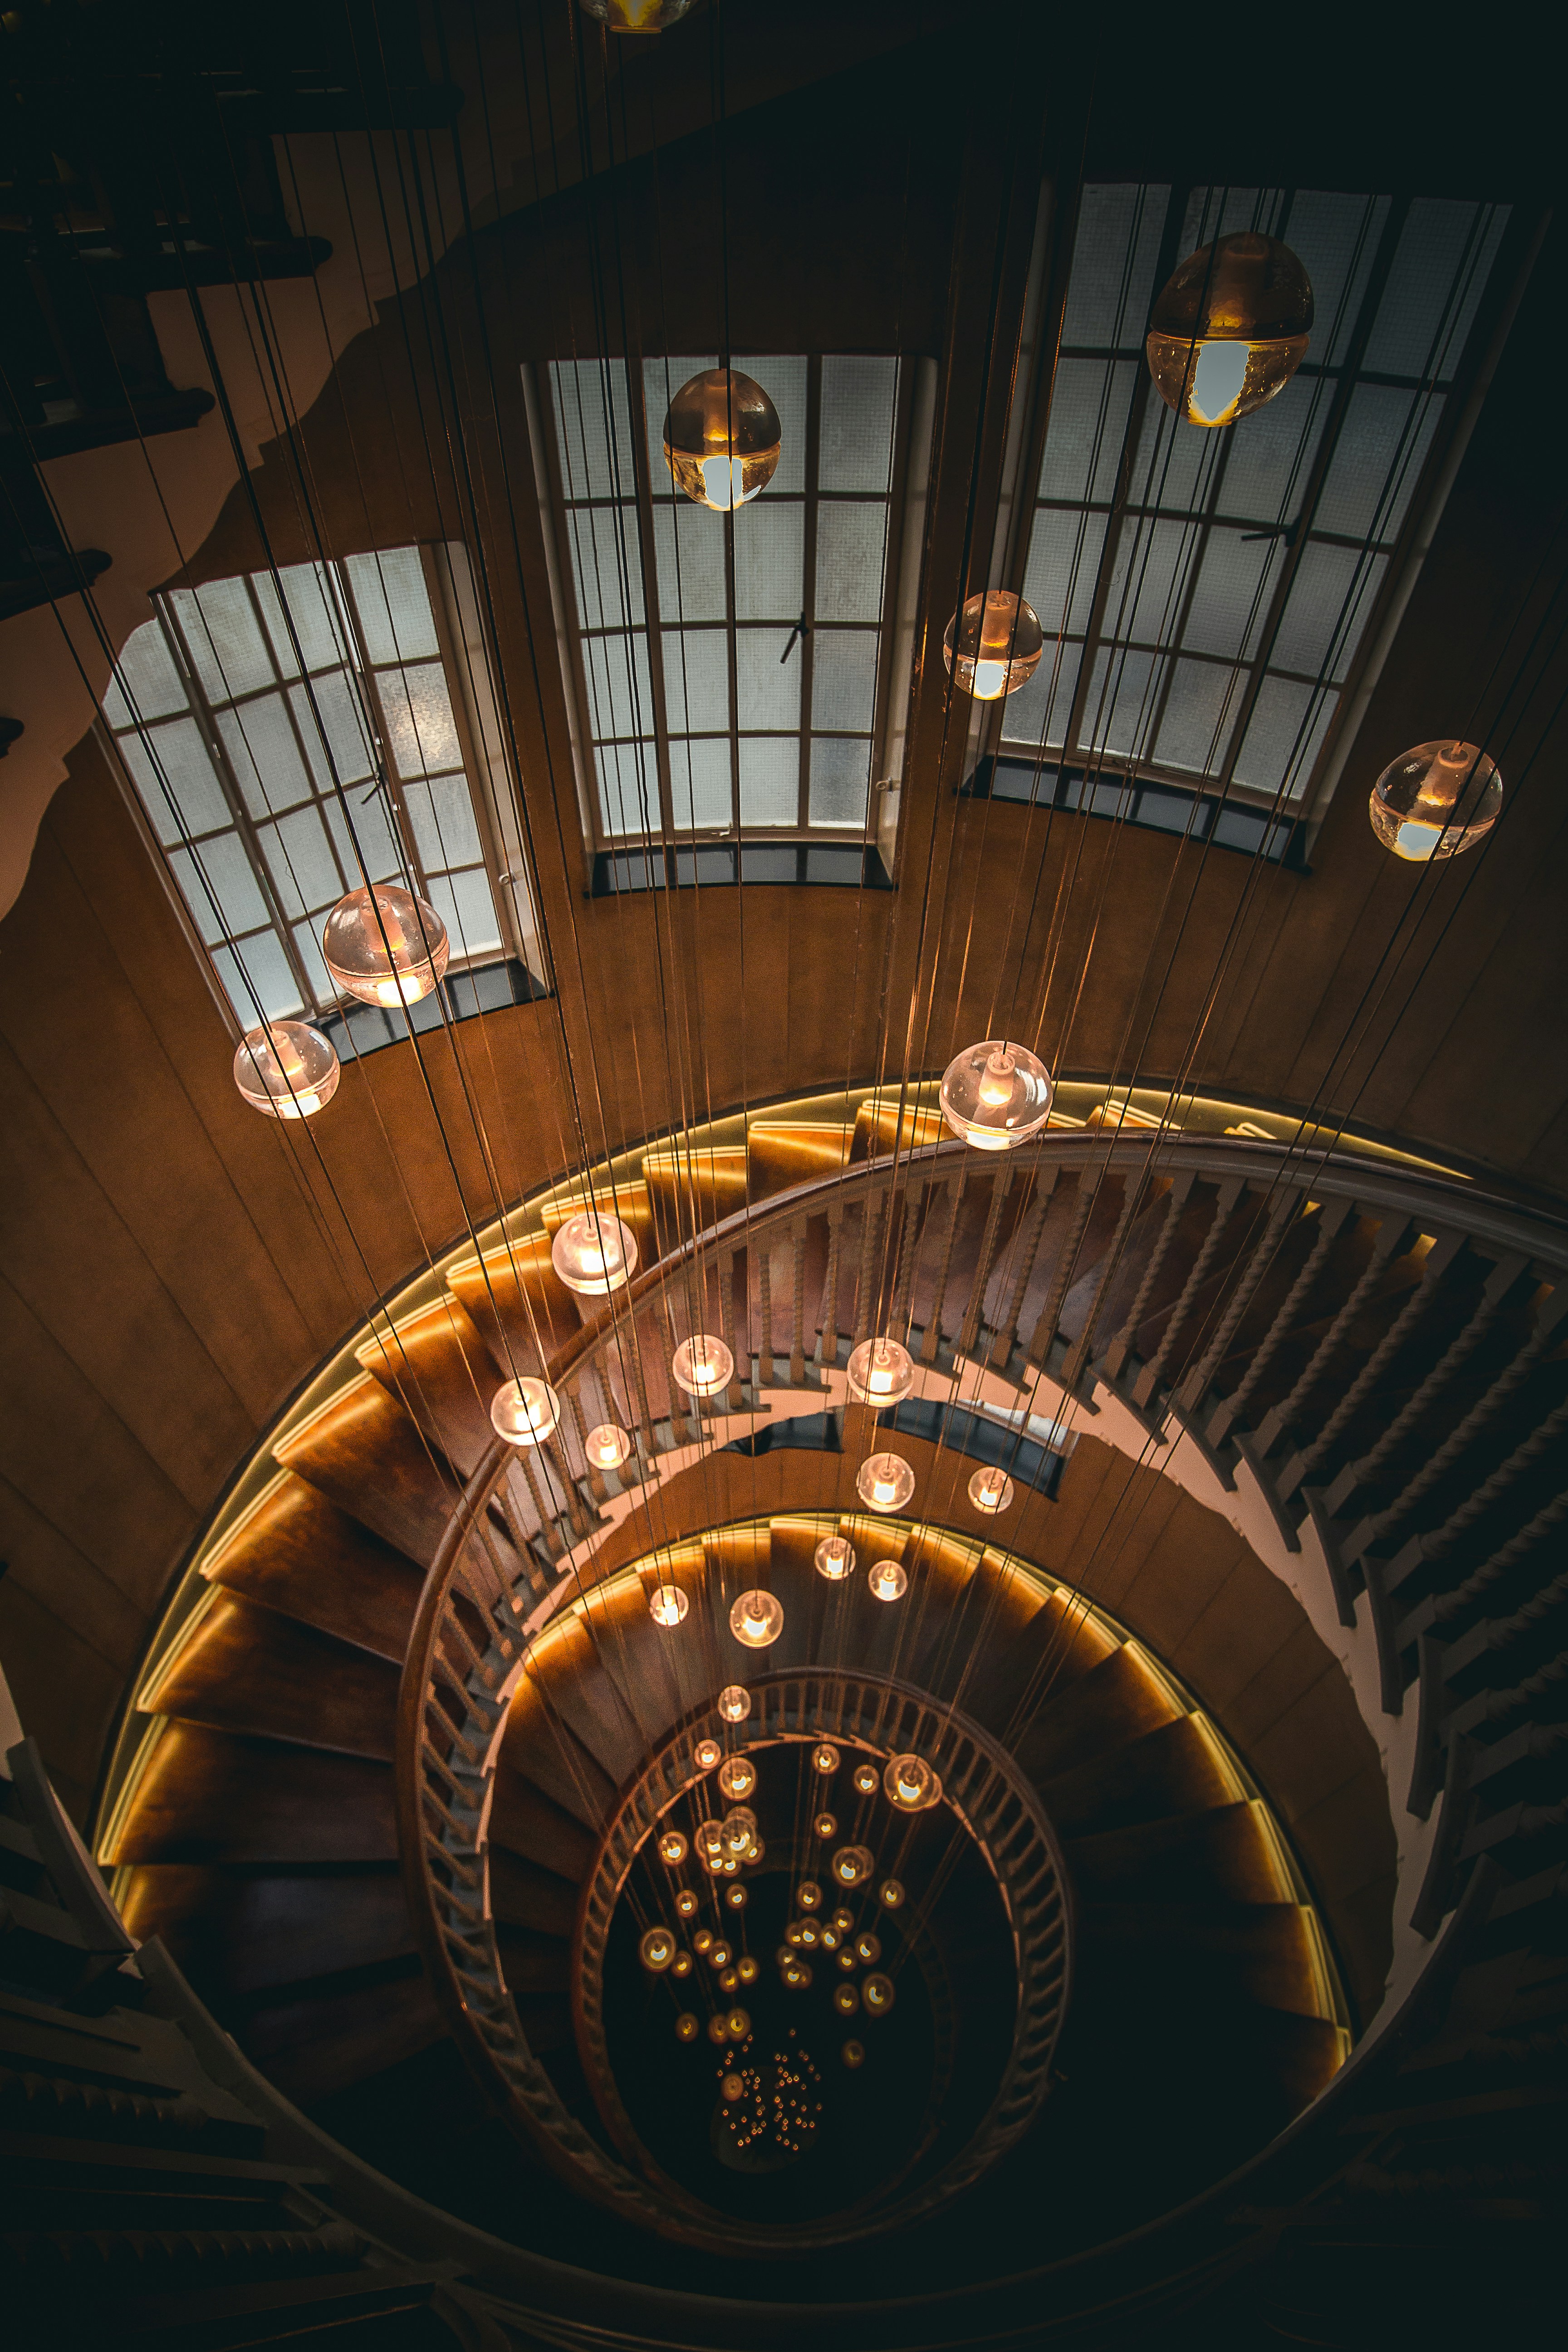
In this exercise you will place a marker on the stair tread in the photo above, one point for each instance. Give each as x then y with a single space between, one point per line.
298 1553
241 1934
249 1669
364 1452
442 1373
210 1796
324 2039
1118 1700
1172 1769
1222 1851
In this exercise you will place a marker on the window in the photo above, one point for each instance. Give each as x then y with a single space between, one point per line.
239 712
727 674
1208 592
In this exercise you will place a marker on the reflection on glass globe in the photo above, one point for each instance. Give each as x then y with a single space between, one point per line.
685 2027
991 1489
721 438
910 1784
826 1825
385 946
842 1920
1435 800
1230 328
686 1902
672 1848
846 1999
866 1779
594 1253
607 1446
868 1948
702 1365
853 2053
525 1412
707 1753
635 16
737 1776
853 1864
667 1605
885 1481
877 1992
830 1935
287 1069
808 1895
995 1095
835 1558
656 1950
891 1894
887 1580
825 1757
880 1371
994 645
757 1619
734 1703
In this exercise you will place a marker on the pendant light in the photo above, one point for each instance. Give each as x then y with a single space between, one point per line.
607 1446
1435 800
702 1365
1230 328
993 644
885 1482
592 1254
635 16
757 1620
911 1784
287 1069
887 1580
835 1558
734 1703
667 1605
525 1412
996 1095
385 946
722 439
880 1371
991 1490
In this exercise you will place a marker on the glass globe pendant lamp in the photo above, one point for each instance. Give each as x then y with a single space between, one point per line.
667 1605
702 1365
993 644
757 1619
593 1254
721 438
835 1558
996 1095
635 16
1230 328
658 1949
853 1864
385 946
672 1848
911 1784
734 1703
607 1446
887 1580
525 1412
287 1069
737 1776
1435 800
991 1489
708 1753
885 1482
880 1371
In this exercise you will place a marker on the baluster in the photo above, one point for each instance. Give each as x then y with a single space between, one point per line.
490 1593
1279 1331
974 1320
1121 1343
514 1527
1192 1390
1229 1193
1446 1606
1079 1353
1046 1328
908 1249
734 1397
1008 1333
1441 1540
1440 1257
797 1340
870 1227
828 1339
1391 1236
646 1446
931 1343
581 1524
765 1374
536 1489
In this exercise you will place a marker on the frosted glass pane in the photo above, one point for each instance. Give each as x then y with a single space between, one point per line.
1038 712
699 792
226 864
1153 565
1330 598
689 547
851 561
606 566
1337 239
264 754
770 540
1173 465
770 779
307 947
1441 264
592 429
260 961
620 694
1119 712
421 732
393 604
151 680
177 756
1267 467
843 680
300 859
378 848
855 433
840 782
697 680
466 906
1064 564
446 831
783 378
662 379
312 609
222 638
1377 462
331 707
1089 400
1284 735
1107 302
767 688
1230 602
1200 711
628 787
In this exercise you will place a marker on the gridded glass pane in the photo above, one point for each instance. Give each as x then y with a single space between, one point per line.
855 433
697 680
662 379
1220 211
220 888
628 786
1201 708
312 615
1153 564
1337 238
770 779
1269 462
1230 600
442 816
264 753
1038 712
620 694
1174 463
851 561
1330 599
307 947
1377 461
332 729
688 553
783 378
843 679
591 428
259 979
700 786
465 904
606 566
1089 400
767 688
176 756
416 708
305 874
1441 264
1284 736
1113 260
1064 564
770 542
393 604
1123 694
153 683
222 638
840 782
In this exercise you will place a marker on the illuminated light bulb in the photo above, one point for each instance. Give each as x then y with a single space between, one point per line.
738 1831
657 1950
385 946
910 1784
702 1365
868 1948
853 2053
607 1446
866 1779
842 1920
835 1558
1230 328
287 1069
891 1894
718 2029
719 1954
808 1934
846 1999
746 1969
877 1992
667 1605
681 1965
887 1580
672 1848
739 2024
826 1825
995 1096
993 644
991 1490
796 1974
735 1896
825 1757
734 1703
853 1864
732 2087
880 1371
686 1902
885 1482
635 16
808 1895
703 1940
525 1412
721 438
757 1619
594 1253
737 1776
783 1956
1437 801
830 1936
707 1753
686 2028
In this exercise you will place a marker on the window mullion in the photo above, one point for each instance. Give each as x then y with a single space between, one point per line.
647 561
804 642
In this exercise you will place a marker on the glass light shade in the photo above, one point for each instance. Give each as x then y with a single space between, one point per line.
685 2027
886 1482
845 1999
732 2086
878 1995
735 1896
635 16
887 1580
719 1954
667 1605
880 1371
734 1703
825 1757
594 1253
993 644
842 1920
708 1753
681 1965
385 946
672 1848
991 1489
826 1825
831 1938
703 1940
1435 800
796 1974
730 1981
702 1365
835 1558
808 1895
866 1779
746 1966
718 2030
737 1776
995 1095
891 1894
1230 328
686 1902
739 1829
525 1412
656 1950
911 1784
721 438
868 1948
853 1864
757 1619
853 2053
739 2024
287 1069
607 1446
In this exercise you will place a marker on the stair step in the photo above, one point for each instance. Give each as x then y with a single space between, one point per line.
1118 1701
443 1375
782 1153
1226 1853
327 2037
210 1797
248 1669
519 1305
298 1553
689 1189
364 1452
525 1895
549 1754
534 1828
234 1934
1173 1770
1262 1951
